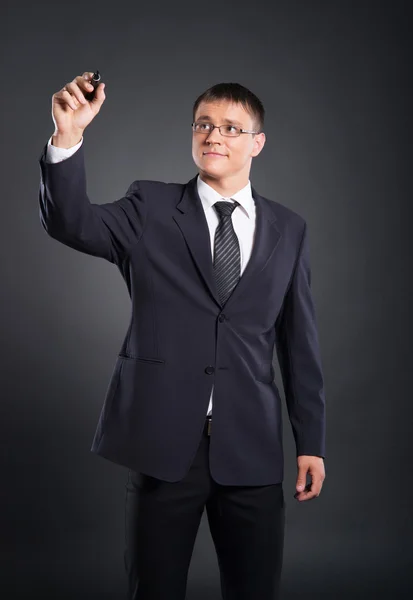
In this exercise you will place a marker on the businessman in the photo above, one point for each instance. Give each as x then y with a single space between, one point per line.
218 277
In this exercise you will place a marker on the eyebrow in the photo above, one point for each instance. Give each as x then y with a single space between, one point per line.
208 118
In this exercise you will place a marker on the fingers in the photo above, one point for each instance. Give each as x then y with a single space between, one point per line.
83 81
73 92
314 467
99 95
74 99
311 490
76 93
76 89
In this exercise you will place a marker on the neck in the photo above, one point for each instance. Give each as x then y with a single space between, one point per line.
225 187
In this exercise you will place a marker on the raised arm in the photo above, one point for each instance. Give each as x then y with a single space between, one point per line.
66 213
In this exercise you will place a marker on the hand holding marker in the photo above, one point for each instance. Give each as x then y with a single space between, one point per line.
75 106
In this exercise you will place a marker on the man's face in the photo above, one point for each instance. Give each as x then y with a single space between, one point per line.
234 154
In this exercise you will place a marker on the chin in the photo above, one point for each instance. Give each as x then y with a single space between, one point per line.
213 173
214 166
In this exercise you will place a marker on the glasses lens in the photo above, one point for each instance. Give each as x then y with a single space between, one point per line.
230 130
202 127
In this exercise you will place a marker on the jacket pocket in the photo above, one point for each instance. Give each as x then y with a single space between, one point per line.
145 359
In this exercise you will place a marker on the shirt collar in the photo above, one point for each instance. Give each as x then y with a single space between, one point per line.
209 196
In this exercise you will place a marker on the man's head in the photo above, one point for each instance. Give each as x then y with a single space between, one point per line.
233 106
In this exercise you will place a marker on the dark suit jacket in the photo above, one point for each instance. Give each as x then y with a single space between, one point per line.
181 340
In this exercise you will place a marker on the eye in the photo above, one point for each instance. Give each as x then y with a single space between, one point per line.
203 126
231 129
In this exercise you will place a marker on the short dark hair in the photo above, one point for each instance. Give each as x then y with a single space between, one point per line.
234 92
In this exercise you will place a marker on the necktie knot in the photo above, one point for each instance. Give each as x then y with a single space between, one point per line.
225 208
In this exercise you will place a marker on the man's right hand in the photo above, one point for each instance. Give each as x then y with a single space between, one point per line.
72 113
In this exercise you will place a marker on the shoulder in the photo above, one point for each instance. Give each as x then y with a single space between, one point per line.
151 187
285 216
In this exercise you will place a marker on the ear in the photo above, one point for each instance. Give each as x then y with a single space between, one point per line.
259 142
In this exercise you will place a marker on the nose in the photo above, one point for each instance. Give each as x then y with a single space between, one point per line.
214 137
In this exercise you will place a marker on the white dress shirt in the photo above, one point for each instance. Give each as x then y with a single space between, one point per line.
243 217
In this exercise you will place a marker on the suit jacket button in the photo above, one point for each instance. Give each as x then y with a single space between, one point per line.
221 318
209 370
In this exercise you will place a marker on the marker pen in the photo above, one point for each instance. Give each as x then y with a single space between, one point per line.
96 78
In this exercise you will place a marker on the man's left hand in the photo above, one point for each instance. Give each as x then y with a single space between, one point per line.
314 466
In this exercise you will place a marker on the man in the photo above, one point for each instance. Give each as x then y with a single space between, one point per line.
218 277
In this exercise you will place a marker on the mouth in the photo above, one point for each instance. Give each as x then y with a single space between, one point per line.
212 154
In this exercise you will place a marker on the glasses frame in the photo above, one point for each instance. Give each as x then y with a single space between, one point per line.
219 128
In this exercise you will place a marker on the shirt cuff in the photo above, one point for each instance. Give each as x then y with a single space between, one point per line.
55 154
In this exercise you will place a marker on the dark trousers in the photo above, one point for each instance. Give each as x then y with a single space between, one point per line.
161 525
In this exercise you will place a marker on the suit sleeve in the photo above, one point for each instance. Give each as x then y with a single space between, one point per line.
299 359
104 230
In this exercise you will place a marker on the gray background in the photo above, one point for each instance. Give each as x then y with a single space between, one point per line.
335 80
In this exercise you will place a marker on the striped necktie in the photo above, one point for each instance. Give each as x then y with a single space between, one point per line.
227 259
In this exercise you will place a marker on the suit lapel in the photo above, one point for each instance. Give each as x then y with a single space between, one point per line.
192 222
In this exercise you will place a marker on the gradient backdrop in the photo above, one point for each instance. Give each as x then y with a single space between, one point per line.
335 79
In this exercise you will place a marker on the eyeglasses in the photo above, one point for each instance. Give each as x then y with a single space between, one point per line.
226 130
